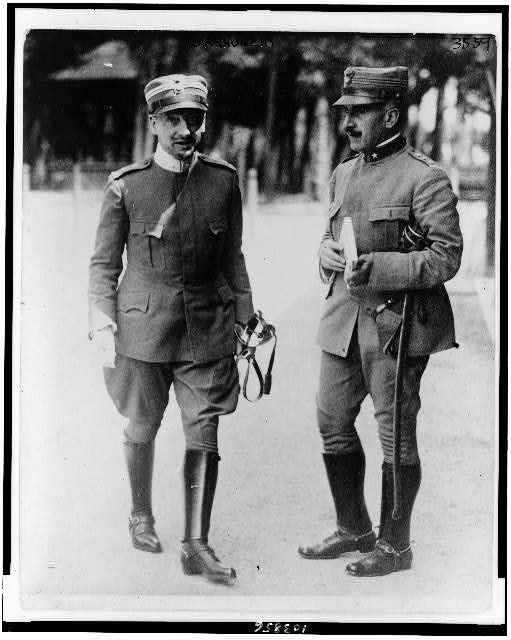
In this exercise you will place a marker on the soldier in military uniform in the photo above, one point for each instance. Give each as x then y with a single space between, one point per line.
173 314
391 192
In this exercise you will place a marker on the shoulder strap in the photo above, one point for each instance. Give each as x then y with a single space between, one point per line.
217 161
422 157
136 166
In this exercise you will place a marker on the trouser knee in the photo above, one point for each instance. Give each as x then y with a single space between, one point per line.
141 433
338 436
202 436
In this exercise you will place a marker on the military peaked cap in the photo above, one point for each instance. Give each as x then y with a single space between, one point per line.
168 93
369 85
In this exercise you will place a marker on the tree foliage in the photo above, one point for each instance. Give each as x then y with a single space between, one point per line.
261 80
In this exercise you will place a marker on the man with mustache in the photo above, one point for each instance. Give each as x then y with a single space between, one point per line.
171 318
407 233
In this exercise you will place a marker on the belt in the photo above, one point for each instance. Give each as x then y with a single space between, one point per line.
422 314
373 312
155 276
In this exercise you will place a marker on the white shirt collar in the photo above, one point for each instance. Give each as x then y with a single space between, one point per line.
386 142
170 163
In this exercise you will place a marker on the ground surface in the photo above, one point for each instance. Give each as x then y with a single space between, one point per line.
272 492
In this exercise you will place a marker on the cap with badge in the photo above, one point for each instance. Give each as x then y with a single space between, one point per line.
370 85
168 93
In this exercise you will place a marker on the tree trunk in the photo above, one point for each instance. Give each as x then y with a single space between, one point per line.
270 165
320 152
323 160
490 193
138 135
241 140
149 145
299 143
437 133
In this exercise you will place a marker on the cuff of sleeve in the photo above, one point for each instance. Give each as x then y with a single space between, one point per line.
98 320
325 275
390 271
244 308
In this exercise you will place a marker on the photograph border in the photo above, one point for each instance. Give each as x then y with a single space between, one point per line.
16 619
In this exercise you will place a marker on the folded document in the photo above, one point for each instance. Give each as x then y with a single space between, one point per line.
348 244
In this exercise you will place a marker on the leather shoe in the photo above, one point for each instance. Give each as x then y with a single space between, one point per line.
383 560
143 534
197 557
338 543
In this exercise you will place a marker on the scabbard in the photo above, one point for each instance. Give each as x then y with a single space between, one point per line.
404 339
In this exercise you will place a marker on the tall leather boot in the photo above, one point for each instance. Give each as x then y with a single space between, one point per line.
345 472
200 472
140 461
392 551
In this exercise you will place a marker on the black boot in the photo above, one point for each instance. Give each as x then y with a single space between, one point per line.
200 474
140 460
346 478
392 551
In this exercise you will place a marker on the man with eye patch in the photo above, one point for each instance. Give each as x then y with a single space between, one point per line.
171 318
406 229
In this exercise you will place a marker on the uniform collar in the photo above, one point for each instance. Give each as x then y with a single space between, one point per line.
386 148
170 163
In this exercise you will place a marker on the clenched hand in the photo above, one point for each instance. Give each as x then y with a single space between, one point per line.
360 272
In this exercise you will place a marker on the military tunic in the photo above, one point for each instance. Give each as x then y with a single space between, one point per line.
196 276
381 195
184 285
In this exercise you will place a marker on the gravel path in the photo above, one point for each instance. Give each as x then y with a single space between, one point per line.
272 492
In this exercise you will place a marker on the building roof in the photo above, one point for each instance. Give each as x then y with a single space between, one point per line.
111 60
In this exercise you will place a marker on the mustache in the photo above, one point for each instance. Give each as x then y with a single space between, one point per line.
189 138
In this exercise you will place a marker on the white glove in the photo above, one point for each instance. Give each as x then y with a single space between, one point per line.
104 347
331 256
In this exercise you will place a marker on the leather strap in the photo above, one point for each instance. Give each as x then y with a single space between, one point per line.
404 339
252 362
264 384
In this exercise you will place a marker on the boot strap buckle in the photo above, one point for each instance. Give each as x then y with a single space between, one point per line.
386 547
145 519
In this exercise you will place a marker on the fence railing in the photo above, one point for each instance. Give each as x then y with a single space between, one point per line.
78 177
64 175
469 183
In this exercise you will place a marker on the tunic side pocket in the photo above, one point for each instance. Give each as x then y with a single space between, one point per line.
133 301
388 324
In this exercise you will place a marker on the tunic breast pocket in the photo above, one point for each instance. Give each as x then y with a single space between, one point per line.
145 244
387 224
